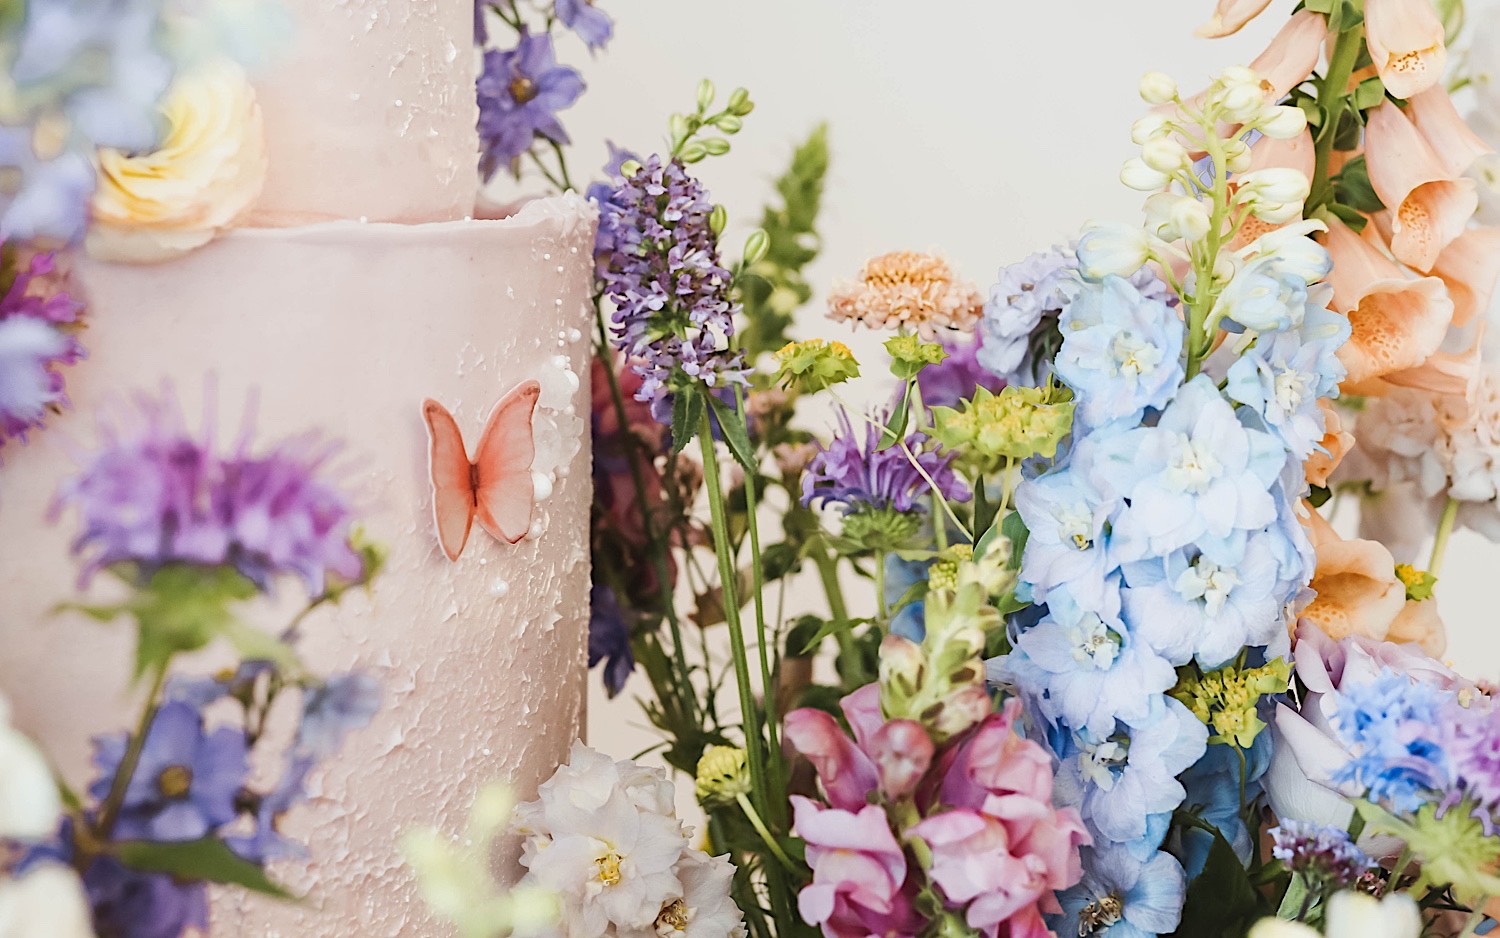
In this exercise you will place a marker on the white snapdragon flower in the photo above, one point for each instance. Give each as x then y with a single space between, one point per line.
1274 195
1141 176
1281 122
49 900
29 804
1173 217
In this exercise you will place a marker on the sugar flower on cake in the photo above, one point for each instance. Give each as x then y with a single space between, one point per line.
602 837
205 174
907 290
38 319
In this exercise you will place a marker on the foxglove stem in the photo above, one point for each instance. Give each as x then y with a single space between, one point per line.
1333 87
1205 259
1440 539
109 811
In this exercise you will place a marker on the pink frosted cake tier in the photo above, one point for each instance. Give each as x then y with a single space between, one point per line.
348 327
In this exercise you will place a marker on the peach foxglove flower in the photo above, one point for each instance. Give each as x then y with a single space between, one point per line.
1418 623
1407 43
1470 267
1230 15
1448 374
1331 449
1292 55
1448 134
1396 322
1430 204
1358 592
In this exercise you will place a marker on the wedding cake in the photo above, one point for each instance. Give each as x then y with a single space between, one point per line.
355 287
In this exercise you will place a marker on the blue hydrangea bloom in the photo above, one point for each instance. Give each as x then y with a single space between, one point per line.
1390 724
1149 894
1186 606
1121 352
1068 544
1118 780
1199 476
1089 671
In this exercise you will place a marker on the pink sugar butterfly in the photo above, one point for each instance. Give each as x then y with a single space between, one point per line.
495 487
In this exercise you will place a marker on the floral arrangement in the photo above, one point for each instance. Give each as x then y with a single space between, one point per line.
194 792
1109 670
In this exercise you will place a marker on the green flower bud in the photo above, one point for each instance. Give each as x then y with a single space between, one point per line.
722 776
705 95
740 104
879 530
717 219
716 146
693 153
677 126
909 355
729 123
629 168
757 246
814 365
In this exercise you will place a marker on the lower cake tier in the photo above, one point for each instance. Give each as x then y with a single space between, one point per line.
345 328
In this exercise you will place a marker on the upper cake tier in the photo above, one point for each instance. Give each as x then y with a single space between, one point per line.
371 114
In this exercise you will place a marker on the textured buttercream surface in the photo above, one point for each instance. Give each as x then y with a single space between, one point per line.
347 327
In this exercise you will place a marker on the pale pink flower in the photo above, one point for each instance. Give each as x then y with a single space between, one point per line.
859 872
1407 44
1430 204
908 290
1230 15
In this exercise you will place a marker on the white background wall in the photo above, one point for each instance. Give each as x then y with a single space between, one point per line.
987 128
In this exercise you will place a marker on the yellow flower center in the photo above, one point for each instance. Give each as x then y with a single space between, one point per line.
607 868
1101 914
523 89
673 917
175 781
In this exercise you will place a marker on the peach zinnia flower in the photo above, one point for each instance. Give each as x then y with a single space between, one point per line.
906 289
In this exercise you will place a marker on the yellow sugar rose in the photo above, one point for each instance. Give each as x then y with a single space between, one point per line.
206 174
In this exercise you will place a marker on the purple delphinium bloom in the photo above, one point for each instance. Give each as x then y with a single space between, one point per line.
591 24
481 27
1389 724
520 93
185 784
334 709
673 314
851 471
957 377
131 904
32 345
155 496
609 638
265 842
53 198
1320 852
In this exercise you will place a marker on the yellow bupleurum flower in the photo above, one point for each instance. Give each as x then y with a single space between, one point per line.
814 365
1225 699
1017 423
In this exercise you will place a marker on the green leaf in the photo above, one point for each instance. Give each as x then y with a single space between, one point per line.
829 628
1321 6
208 860
1370 93
778 560
1349 216
1319 496
1015 530
687 414
256 644
1221 901
732 427
183 608
895 429
1008 603
1353 188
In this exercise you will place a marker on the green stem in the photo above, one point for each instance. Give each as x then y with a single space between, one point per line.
1334 87
109 811
1399 870
765 835
1440 540
556 183
828 574
562 164
658 549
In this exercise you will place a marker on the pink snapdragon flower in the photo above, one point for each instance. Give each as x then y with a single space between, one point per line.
982 806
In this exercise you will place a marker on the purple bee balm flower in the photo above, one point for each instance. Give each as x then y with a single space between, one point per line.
265 841
330 711
591 24
185 784
958 376
850 470
609 638
131 904
520 93
673 313
154 496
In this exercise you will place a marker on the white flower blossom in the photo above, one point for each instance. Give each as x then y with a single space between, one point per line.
29 805
48 900
704 910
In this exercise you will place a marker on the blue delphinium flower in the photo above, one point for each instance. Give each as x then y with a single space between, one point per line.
520 92
1282 376
1185 605
334 709
591 24
1121 896
910 621
1094 671
609 638
264 842
850 470
1019 328
1389 723
185 784
1119 779
1068 543
131 904
1322 853
1198 476
1121 352
1213 795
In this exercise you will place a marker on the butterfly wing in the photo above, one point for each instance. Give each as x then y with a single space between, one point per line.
452 479
504 491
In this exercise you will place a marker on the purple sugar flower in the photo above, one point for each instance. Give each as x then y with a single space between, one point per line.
851 471
131 904
673 314
330 711
591 24
1320 852
265 841
520 93
609 638
957 377
154 496
185 784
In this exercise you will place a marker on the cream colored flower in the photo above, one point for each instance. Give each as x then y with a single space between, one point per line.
1353 915
29 805
48 900
906 289
207 173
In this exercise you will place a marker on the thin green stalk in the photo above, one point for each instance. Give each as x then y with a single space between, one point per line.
562 164
658 549
109 811
542 167
1440 540
765 835
755 756
880 609
828 573
1335 86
